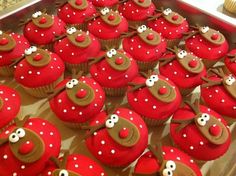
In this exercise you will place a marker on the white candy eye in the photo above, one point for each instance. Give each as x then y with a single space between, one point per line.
35 15
13 138
105 11
109 54
63 173
71 30
201 121
167 172
205 116
1 32
141 29
167 11
144 28
230 80
182 54
114 118
28 51
171 165
69 85
150 82
74 81
109 123
204 29
20 132
154 78
33 49
114 52
39 13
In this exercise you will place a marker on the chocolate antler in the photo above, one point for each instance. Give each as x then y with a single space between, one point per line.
157 153
57 38
92 17
20 123
164 61
60 164
219 72
128 34
95 60
92 129
232 57
16 61
60 3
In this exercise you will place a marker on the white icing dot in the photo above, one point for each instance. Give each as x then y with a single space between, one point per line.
41 133
95 133
14 174
73 108
171 150
191 147
64 110
103 142
131 118
22 167
222 101
38 73
7 132
51 133
201 143
135 99
234 107
154 107
74 158
5 157
178 158
184 135
146 100
80 113
113 151
49 173
109 77
30 123
50 145
8 108
59 100
76 165
90 167
30 72
100 153
191 161
102 174
22 77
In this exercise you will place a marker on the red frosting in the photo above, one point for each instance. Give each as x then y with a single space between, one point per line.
231 65
191 140
6 58
107 76
141 51
50 136
11 105
148 163
71 15
144 103
31 76
179 75
79 164
131 11
68 111
104 3
42 36
77 55
105 149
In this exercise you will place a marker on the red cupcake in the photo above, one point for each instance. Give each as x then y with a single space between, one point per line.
166 161
170 25
108 27
219 90
183 68
75 12
198 130
137 11
117 138
42 28
12 47
26 147
230 61
100 4
154 97
113 70
145 46
208 44
76 48
75 101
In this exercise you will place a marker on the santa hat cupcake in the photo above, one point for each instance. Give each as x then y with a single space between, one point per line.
25 147
38 71
100 4
12 46
107 26
183 68
75 12
42 28
230 61
208 44
198 130
137 11
145 46
73 165
113 70
170 25
166 161
75 101
75 48
154 97
117 138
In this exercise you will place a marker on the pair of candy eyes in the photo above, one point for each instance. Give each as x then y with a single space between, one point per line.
105 11
14 137
70 84
230 80
142 28
170 167
202 120
204 29
111 53
71 30
30 50
167 11
37 14
182 54
110 123
151 81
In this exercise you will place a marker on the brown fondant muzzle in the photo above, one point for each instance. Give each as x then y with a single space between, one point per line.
143 3
38 58
150 37
79 39
174 18
213 36
7 43
43 21
112 18
78 4
119 61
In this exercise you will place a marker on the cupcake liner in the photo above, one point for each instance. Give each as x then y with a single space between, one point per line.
6 71
79 67
115 92
144 66
154 122
42 92
136 23
172 42
75 125
110 43
230 6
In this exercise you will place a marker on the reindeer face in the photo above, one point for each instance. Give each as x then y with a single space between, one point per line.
117 60
172 17
42 20
78 38
79 93
143 3
7 43
63 172
148 36
110 17
212 35
122 131
78 4
229 83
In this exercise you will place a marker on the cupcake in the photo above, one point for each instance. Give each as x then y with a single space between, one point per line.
73 165
74 12
154 97
166 161
145 46
108 27
208 44
42 28
170 25
39 71
230 6
100 4
198 130
137 11
230 61
113 70
12 47
218 91
183 68
10 103
27 146
76 48
117 137
75 101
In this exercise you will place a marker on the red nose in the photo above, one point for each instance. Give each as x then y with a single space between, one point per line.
162 91
119 61
78 2
81 93
215 130
124 133
175 17
80 38
3 41
38 57
214 36
111 17
193 63
43 20
26 148
150 36
141 1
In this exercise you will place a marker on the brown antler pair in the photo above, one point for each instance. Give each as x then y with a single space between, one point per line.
60 164
165 61
219 72
232 57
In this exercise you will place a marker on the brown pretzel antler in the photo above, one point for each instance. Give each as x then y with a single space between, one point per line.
136 86
194 106
157 153
95 60
16 61
24 22
232 57
218 71
165 61
183 123
92 18
57 38
59 4
77 74
210 82
128 34
21 122
154 17
51 95
190 34
55 161
92 129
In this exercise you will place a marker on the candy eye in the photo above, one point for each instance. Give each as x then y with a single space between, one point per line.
28 52
13 138
201 121
71 30
74 81
33 49
109 123
167 172
114 118
63 173
113 51
39 13
204 29
182 54
69 85
205 116
1 32
20 132
150 82
154 78
171 165
105 11
142 28
230 80
167 11
109 54
35 15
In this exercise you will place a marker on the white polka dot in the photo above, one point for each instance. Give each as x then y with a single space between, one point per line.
178 158
90 167
50 145
14 174
191 147
113 151
22 167
201 143
103 142
154 107
51 133
5 157
100 153
76 165
184 135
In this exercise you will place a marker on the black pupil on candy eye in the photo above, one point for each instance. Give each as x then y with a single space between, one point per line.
169 173
13 136
171 166
202 120
110 121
